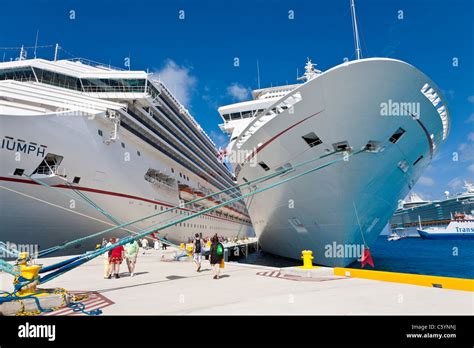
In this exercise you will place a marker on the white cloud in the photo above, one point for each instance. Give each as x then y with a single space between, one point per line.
466 151
471 168
426 181
178 80
456 184
219 138
238 92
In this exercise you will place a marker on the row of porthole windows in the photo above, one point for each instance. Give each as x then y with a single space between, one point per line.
181 175
205 217
313 140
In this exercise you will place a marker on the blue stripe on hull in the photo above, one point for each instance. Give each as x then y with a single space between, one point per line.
450 236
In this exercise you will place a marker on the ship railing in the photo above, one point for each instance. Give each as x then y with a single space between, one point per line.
284 104
162 89
162 183
51 170
95 64
24 79
114 89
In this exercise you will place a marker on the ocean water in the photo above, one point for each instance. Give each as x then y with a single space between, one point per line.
409 255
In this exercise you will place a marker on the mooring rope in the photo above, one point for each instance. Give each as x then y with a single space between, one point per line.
94 254
245 184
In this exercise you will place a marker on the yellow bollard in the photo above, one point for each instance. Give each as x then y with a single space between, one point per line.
182 246
28 272
307 256
189 249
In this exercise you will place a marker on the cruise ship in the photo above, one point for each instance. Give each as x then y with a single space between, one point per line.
416 213
383 116
74 130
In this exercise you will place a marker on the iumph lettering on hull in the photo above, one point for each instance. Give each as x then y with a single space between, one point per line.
20 145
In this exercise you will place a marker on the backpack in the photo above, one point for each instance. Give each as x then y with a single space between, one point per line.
198 246
220 249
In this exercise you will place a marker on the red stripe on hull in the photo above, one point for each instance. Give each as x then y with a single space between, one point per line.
110 193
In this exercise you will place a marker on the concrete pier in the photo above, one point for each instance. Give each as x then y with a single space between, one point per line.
162 286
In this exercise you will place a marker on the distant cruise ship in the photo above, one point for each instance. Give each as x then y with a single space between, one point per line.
118 137
420 214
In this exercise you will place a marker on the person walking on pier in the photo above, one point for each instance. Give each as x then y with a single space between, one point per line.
144 245
197 250
107 265
131 252
116 257
216 256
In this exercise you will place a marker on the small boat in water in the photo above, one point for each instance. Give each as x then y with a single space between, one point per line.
396 234
457 229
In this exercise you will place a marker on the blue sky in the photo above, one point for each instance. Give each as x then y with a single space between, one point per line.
196 55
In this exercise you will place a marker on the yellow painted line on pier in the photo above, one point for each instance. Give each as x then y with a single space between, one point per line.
406 278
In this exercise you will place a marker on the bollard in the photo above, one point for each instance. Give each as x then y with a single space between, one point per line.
182 246
189 249
27 272
307 256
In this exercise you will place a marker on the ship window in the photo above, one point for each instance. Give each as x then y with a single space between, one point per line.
100 132
341 146
264 166
312 139
226 117
138 153
49 165
235 115
418 160
123 145
373 146
403 165
246 114
22 74
172 170
18 172
397 135
76 180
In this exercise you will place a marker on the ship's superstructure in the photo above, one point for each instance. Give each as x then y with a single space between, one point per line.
120 138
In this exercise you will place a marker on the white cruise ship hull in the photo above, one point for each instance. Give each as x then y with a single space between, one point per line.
110 175
350 202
